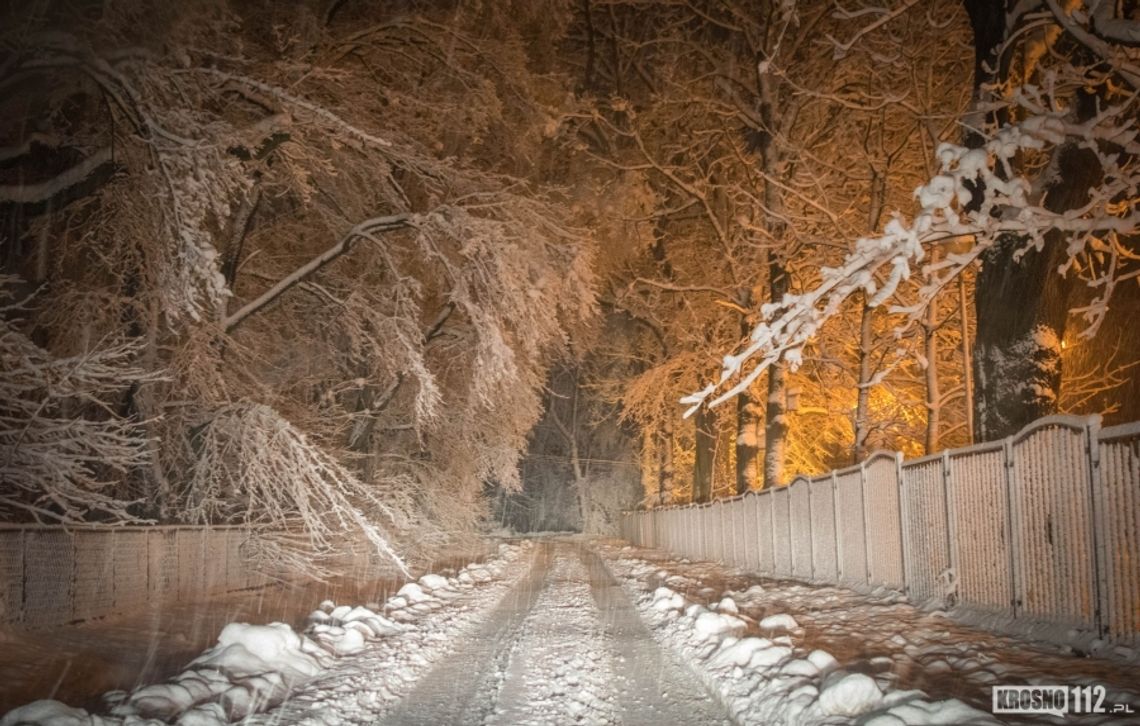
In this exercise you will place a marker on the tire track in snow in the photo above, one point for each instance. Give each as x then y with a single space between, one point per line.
563 645
462 689
560 670
373 685
656 687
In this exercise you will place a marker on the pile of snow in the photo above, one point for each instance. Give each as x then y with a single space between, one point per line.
769 680
253 668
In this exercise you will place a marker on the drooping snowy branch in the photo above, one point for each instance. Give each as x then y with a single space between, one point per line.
62 446
252 466
978 195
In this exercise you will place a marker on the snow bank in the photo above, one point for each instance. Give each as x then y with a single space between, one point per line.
253 668
769 680
50 713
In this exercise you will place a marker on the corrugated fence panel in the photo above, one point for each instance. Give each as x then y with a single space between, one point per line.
765 555
979 519
884 535
189 545
926 537
729 533
215 569
701 515
739 550
47 596
1119 491
162 564
1044 525
130 568
688 518
1054 546
850 522
781 514
237 574
11 577
93 593
750 531
800 498
716 525
824 556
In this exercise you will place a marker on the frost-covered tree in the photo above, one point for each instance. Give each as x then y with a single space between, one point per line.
1043 186
335 234
760 158
64 451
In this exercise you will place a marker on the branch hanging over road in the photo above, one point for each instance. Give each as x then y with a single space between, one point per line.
365 230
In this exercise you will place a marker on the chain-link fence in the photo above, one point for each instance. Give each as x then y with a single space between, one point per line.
1043 526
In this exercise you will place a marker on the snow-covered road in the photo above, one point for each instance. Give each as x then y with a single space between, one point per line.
563 645
568 630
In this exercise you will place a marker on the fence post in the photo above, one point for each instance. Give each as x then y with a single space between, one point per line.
1013 522
811 526
737 540
720 516
835 526
902 519
772 527
866 523
1099 525
948 510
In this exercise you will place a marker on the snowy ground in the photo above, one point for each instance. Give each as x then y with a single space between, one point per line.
570 631
783 652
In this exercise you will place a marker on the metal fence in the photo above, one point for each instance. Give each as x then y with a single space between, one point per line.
51 575
1043 526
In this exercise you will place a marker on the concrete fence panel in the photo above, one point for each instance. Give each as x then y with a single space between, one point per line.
1041 527
781 515
47 596
799 497
1117 488
851 526
93 584
54 575
131 568
765 533
884 522
927 538
11 577
981 556
825 557
1054 548
714 513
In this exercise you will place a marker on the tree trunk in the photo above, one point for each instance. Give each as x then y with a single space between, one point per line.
863 399
749 424
775 418
877 200
1021 301
665 469
933 390
967 371
705 435
1021 308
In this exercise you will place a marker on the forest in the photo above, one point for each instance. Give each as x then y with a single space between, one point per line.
385 275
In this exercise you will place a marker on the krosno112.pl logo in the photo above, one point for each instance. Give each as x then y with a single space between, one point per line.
1054 700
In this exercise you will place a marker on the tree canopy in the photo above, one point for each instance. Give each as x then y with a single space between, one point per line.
332 269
